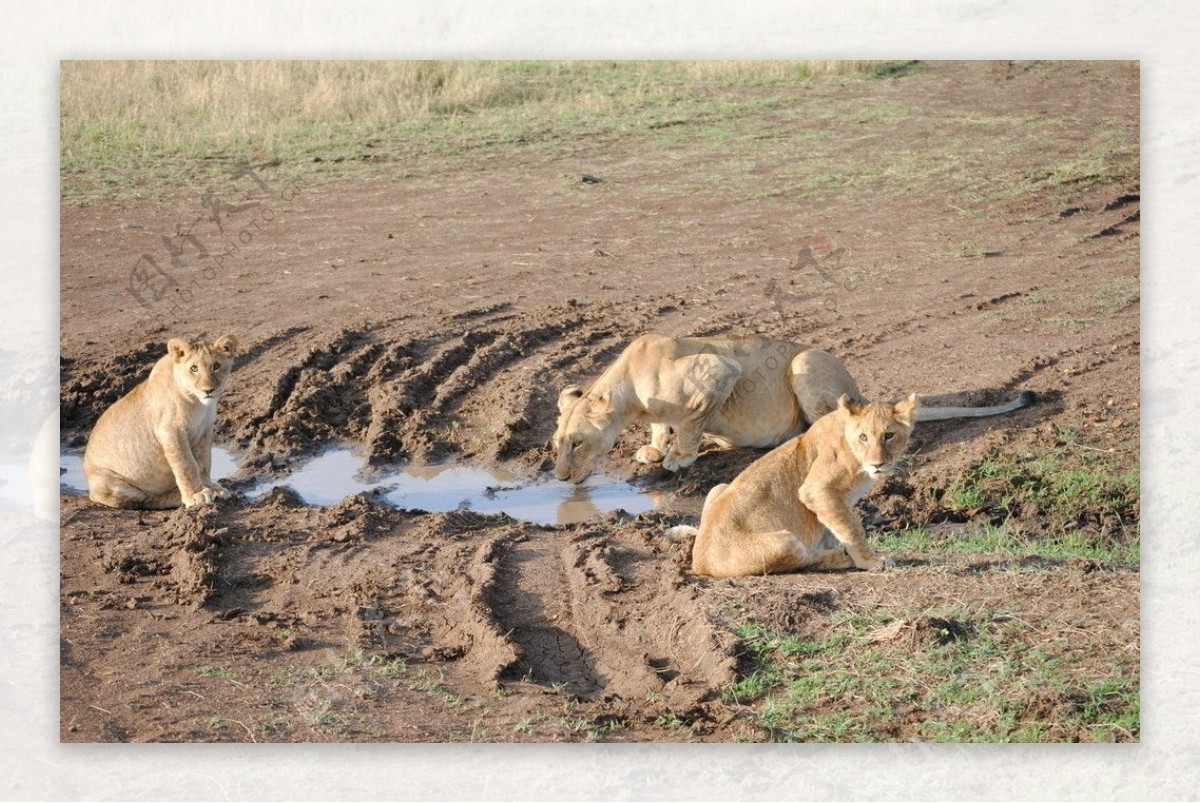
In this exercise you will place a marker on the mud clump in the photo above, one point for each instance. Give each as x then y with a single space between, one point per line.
195 541
355 517
937 630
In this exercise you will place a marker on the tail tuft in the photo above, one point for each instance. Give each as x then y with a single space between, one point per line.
681 532
1026 398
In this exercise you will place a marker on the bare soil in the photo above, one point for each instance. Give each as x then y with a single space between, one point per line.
434 315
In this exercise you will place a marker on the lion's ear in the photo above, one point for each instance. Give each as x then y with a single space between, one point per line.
178 349
568 396
600 408
602 404
226 344
849 405
906 411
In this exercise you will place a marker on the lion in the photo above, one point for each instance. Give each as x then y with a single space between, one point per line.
729 391
772 517
152 449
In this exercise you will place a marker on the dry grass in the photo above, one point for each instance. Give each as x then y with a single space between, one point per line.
745 71
233 95
147 126
236 98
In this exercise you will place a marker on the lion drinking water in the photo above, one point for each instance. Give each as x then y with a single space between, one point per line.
732 391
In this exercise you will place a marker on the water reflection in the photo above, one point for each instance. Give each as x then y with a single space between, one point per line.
337 473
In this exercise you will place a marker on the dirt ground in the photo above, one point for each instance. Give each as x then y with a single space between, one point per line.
434 314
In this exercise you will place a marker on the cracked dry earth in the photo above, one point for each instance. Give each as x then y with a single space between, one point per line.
434 318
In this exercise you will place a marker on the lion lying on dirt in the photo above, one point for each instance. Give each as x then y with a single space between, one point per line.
772 516
748 391
152 449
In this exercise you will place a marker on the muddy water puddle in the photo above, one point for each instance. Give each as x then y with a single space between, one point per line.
72 480
332 475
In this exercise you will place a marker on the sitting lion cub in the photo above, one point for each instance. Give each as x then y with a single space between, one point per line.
772 516
153 448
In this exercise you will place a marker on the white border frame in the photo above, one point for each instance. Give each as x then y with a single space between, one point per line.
1159 33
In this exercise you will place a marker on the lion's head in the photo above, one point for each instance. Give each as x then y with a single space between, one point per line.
201 369
587 430
878 433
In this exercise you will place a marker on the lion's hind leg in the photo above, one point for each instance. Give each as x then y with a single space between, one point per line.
681 531
109 488
754 554
818 378
711 497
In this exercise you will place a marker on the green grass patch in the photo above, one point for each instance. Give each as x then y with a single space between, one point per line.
949 674
1073 501
209 671
989 539
1084 504
376 665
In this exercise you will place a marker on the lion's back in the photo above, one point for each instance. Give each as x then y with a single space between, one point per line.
123 439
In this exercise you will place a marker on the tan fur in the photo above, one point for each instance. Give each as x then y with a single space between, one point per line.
771 518
750 391
152 449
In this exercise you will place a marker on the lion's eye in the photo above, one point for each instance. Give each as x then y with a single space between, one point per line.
575 445
216 366
194 369
863 437
888 436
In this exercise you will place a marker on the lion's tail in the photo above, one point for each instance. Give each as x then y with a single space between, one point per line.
681 532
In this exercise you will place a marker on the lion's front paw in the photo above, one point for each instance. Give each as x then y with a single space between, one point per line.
675 461
878 563
205 496
219 491
648 455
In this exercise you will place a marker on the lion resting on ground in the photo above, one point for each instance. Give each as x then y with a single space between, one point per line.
152 449
734 391
771 518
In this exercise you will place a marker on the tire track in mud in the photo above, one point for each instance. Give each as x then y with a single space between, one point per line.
595 613
506 387
531 607
325 380
589 619
526 393
483 386
425 600
360 576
